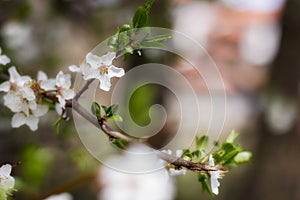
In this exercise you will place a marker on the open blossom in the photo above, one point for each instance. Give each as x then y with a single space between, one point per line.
21 100
31 120
61 85
172 171
100 68
136 178
7 182
18 83
215 175
3 59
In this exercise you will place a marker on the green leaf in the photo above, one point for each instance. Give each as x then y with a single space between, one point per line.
104 108
148 5
140 17
204 180
226 154
117 118
243 157
114 108
201 143
232 137
125 27
96 110
120 143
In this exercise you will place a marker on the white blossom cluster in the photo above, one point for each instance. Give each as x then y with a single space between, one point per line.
24 95
7 182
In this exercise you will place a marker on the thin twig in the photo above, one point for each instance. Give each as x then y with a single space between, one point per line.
85 87
178 162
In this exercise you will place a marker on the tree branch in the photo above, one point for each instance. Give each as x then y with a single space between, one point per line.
178 162
85 87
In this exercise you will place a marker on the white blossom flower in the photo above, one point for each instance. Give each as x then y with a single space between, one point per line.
100 68
18 82
61 85
30 120
3 58
215 175
7 182
133 180
62 196
21 100
20 97
173 171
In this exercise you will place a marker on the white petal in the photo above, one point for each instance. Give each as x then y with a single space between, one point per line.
5 170
115 71
104 83
18 120
108 58
32 122
8 183
28 93
32 105
90 73
13 74
48 84
68 94
58 109
4 60
175 172
5 86
74 68
211 161
63 80
62 101
214 183
22 80
42 76
13 101
40 110
179 152
93 60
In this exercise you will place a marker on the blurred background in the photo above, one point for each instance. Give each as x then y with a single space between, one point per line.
255 45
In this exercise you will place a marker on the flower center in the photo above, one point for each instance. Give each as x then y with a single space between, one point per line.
103 69
13 86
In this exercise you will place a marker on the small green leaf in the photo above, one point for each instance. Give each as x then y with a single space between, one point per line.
117 118
204 180
96 110
201 143
125 27
120 143
243 157
148 5
232 137
140 17
104 108
114 108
